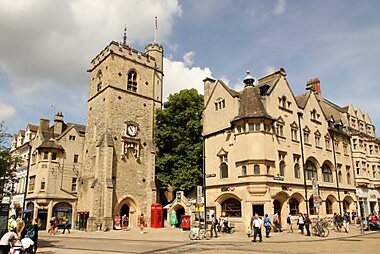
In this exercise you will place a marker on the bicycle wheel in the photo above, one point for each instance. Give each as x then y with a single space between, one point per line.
207 235
326 232
192 235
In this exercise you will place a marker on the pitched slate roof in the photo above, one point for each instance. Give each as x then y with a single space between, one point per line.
302 99
251 104
50 144
32 128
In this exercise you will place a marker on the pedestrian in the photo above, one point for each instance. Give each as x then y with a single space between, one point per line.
142 221
53 228
214 224
335 217
257 226
36 228
346 222
267 225
289 221
307 224
5 241
276 222
12 223
301 222
66 226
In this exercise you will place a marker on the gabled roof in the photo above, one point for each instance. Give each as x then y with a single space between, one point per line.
359 114
331 110
271 80
251 104
302 99
367 119
21 133
32 127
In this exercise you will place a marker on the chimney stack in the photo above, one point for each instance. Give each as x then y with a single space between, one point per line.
58 123
314 85
44 124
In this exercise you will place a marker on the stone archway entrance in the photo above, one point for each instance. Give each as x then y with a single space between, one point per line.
128 207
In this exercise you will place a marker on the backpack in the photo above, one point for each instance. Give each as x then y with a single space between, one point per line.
30 233
288 220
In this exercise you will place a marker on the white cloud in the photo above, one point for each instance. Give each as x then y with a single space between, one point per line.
251 12
6 112
188 58
51 42
280 7
178 76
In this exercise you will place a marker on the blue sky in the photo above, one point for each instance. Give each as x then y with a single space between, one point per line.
47 45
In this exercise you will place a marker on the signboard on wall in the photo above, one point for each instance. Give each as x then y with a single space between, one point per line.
199 194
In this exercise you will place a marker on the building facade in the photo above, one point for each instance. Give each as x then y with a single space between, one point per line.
366 159
263 145
20 148
55 162
118 176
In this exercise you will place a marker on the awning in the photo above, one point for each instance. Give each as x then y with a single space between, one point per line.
62 209
28 210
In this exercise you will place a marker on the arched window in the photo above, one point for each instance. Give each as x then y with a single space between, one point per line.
256 169
329 209
340 176
327 174
132 81
244 170
293 206
223 170
348 178
312 209
282 168
297 171
43 184
231 208
311 171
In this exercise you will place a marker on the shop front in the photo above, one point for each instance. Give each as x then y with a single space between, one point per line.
62 211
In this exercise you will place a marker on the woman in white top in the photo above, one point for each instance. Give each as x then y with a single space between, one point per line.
290 220
5 240
301 222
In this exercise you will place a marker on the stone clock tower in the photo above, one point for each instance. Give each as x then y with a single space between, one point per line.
119 153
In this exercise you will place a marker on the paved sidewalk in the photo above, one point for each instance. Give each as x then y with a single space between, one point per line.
177 235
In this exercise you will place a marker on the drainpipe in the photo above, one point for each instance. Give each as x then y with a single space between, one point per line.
300 114
27 179
336 171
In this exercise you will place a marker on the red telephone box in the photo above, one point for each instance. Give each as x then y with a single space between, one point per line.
156 216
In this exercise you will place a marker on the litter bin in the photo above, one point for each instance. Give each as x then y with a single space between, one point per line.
185 222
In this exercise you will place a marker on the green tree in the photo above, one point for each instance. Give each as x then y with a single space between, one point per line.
179 141
7 163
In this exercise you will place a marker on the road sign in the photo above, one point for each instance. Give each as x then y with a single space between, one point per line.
199 194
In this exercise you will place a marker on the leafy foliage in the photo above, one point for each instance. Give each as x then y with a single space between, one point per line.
7 163
179 140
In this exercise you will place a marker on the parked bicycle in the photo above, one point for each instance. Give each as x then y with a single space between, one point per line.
199 234
321 227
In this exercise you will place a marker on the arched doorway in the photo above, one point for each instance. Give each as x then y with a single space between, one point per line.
62 211
180 212
293 206
279 199
124 213
128 207
277 209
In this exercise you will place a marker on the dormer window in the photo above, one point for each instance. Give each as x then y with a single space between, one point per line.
220 104
306 135
132 81
279 127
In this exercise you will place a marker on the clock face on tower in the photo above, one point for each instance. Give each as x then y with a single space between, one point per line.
132 130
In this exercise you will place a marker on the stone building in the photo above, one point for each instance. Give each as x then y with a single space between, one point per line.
55 161
118 176
263 144
366 159
20 148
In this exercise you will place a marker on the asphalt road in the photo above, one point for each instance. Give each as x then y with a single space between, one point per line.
359 244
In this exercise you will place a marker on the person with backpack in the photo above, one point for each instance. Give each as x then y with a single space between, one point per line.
267 225
214 224
276 222
289 220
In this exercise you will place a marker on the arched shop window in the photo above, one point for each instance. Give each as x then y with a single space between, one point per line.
231 208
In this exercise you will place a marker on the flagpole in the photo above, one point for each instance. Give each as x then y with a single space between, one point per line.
155 31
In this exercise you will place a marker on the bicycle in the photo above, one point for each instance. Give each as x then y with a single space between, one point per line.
199 234
321 227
